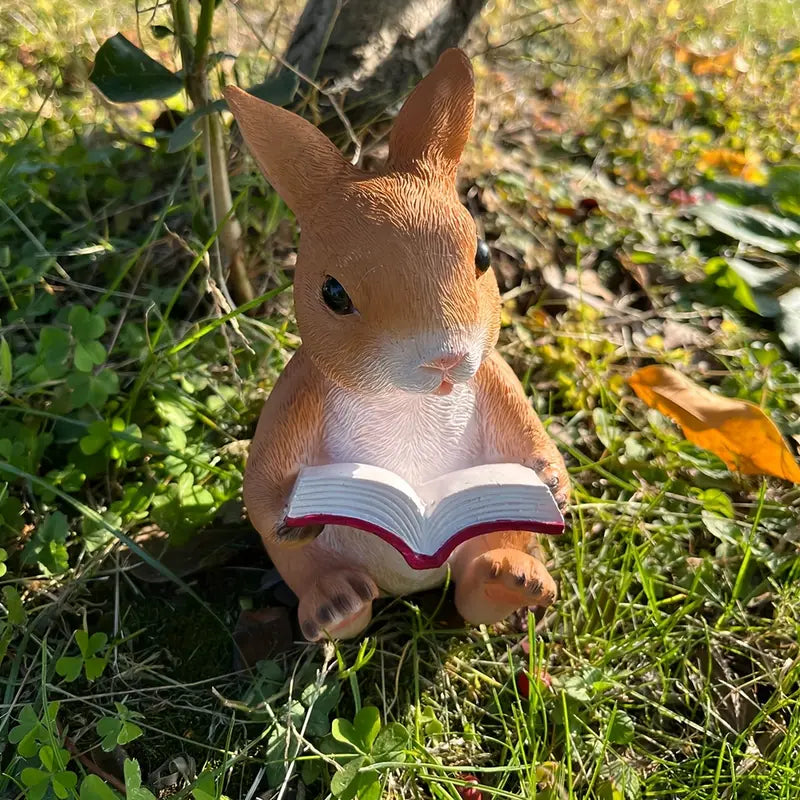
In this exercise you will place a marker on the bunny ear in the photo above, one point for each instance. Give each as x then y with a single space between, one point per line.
298 160
432 127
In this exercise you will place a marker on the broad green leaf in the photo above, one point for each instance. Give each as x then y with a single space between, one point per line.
133 782
89 645
92 390
749 225
53 557
367 723
53 346
69 667
13 603
129 732
784 186
93 788
64 784
94 667
6 367
37 782
741 281
369 785
97 434
88 355
53 759
126 74
278 90
790 321
85 325
344 783
205 787
343 731
188 131
717 502
108 729
161 31
28 732
390 743
621 729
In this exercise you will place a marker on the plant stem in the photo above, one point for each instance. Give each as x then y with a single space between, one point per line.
194 56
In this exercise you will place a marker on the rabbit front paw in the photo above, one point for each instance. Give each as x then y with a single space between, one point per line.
339 603
554 474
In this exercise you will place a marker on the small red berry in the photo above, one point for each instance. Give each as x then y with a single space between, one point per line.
469 792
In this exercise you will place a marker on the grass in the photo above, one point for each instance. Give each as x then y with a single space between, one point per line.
669 667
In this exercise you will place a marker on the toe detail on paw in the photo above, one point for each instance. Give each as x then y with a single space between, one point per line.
334 602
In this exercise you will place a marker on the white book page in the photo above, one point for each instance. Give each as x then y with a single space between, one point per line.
361 491
426 518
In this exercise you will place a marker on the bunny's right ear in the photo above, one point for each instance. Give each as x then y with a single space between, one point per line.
433 125
298 160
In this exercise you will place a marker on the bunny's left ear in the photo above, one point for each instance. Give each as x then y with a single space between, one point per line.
432 127
298 160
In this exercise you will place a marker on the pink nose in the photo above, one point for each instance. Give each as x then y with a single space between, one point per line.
446 362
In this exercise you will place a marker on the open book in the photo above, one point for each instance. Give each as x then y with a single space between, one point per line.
427 522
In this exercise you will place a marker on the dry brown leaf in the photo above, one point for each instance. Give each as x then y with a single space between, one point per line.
738 431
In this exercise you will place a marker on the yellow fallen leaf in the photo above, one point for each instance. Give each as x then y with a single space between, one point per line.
738 431
741 165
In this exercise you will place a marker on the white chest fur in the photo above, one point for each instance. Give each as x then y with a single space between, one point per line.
418 436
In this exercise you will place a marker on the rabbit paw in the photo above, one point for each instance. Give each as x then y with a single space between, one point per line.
554 474
295 536
498 582
338 604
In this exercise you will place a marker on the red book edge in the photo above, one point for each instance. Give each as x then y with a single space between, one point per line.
417 560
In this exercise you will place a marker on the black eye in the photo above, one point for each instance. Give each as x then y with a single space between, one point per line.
483 257
335 297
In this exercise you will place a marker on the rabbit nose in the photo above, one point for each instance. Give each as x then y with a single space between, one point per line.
446 362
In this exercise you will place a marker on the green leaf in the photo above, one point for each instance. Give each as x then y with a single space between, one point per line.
205 788
784 186
343 731
85 325
37 782
89 645
28 732
93 788
16 611
94 667
390 743
69 667
344 783
749 225
64 783
129 732
108 729
6 367
278 90
621 730
741 281
97 434
187 131
369 785
161 31
133 782
790 321
367 723
92 390
89 355
126 74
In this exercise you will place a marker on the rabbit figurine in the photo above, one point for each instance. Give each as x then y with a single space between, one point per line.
399 313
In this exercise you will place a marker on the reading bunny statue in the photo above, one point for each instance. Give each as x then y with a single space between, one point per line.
399 313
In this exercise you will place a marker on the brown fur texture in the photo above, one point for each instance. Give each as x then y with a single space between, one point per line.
410 380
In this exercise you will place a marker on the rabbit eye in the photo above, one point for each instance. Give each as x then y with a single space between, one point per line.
483 257
335 297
